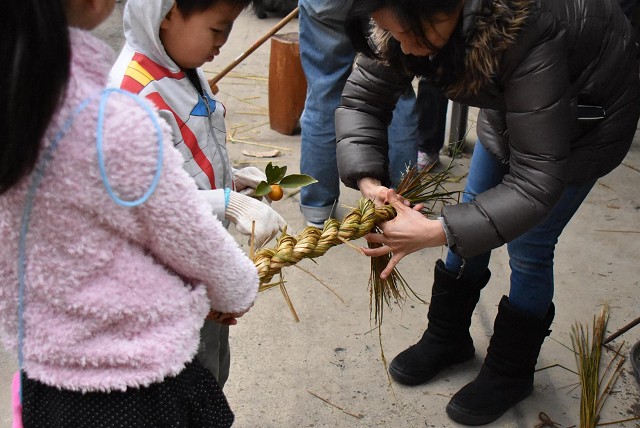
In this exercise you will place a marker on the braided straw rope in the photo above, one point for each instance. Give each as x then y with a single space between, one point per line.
313 242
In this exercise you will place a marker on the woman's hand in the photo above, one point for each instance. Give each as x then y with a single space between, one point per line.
407 233
372 189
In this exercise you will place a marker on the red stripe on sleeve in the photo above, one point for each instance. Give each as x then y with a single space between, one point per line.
155 70
189 139
131 85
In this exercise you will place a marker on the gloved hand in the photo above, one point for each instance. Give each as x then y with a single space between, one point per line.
243 210
247 179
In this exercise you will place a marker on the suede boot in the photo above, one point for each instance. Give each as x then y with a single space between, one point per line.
506 377
447 340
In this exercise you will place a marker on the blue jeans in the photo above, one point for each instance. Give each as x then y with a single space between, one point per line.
327 58
531 254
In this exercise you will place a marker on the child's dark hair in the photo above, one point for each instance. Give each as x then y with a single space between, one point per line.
188 7
34 68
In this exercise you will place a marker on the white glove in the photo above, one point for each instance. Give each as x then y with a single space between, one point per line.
243 210
247 179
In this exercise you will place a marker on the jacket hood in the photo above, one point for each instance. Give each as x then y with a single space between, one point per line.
142 19
487 29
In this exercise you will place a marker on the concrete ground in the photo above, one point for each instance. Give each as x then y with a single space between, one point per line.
327 370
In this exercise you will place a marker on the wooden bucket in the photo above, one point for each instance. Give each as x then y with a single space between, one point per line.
287 83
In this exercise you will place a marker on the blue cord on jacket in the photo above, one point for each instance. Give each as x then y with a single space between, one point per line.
37 179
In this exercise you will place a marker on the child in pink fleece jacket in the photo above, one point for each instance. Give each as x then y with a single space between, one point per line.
114 297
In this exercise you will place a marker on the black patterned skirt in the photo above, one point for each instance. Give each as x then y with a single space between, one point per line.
190 399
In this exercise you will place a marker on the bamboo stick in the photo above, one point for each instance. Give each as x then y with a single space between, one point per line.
213 82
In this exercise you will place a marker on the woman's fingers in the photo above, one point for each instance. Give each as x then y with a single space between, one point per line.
390 266
377 251
381 251
397 201
376 238
397 236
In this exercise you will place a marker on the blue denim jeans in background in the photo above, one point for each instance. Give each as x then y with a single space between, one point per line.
327 58
531 254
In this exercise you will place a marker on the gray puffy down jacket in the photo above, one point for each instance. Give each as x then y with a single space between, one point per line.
528 64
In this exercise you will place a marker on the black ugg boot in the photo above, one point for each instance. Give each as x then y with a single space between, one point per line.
447 340
506 377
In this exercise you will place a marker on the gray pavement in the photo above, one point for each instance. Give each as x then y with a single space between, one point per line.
327 369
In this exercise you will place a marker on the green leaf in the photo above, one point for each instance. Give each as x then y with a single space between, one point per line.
297 180
274 173
270 172
263 188
283 172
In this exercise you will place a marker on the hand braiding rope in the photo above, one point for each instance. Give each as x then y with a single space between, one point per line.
313 242
416 186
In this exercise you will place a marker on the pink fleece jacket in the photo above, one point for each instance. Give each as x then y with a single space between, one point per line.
115 297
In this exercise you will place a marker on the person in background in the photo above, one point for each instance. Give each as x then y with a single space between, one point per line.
628 7
327 59
167 42
432 123
110 256
557 85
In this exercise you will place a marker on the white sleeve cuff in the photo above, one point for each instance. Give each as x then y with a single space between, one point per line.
447 234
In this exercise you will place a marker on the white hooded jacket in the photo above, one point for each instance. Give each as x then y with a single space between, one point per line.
197 120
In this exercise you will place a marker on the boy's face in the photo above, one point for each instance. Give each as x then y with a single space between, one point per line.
191 41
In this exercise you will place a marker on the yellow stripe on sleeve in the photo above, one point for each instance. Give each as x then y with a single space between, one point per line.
138 73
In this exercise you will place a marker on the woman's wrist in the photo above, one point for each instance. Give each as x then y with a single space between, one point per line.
439 235
448 238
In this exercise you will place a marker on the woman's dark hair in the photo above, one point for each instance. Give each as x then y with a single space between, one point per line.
188 7
412 13
34 69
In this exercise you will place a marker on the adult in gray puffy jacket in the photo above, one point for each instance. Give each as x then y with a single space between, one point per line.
557 84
